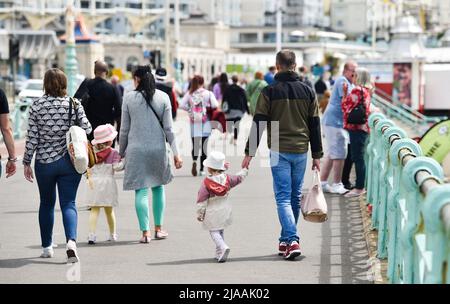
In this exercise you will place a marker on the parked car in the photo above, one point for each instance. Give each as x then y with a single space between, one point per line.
34 88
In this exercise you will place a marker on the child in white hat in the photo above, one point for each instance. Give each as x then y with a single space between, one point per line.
102 192
213 206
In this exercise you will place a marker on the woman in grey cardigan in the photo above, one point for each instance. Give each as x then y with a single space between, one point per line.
145 126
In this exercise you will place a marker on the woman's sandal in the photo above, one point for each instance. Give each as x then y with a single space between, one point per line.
161 235
145 240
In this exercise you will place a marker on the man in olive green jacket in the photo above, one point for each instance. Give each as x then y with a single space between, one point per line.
290 110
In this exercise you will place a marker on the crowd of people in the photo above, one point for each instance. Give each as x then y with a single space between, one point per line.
141 123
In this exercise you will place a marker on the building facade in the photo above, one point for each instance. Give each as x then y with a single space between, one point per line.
296 13
441 13
358 17
226 11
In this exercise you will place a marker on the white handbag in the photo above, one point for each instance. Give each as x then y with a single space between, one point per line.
314 206
77 143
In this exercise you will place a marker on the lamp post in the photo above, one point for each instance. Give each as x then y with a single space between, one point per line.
71 55
279 25
177 41
374 24
167 36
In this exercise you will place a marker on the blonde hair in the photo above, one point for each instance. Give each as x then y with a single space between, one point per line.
363 78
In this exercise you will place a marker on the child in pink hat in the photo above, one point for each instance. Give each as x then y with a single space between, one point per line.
102 192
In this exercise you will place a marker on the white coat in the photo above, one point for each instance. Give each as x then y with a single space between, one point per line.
102 187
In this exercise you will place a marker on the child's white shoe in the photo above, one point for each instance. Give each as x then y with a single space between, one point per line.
112 237
47 252
92 238
224 252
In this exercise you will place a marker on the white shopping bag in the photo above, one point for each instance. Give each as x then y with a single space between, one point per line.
314 206
77 145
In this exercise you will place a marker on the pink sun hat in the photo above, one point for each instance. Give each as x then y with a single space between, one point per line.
103 134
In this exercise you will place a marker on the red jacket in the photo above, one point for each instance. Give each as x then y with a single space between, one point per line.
352 100
217 117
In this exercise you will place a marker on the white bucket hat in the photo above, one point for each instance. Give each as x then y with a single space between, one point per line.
215 160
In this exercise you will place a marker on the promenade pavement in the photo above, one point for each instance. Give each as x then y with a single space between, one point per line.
332 252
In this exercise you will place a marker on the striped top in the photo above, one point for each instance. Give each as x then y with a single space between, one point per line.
48 124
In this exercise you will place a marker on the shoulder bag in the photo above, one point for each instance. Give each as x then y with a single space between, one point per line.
80 150
358 115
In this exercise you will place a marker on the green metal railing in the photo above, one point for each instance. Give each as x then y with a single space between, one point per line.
19 117
410 206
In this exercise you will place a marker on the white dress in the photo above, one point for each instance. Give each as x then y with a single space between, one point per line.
102 187
218 213
217 210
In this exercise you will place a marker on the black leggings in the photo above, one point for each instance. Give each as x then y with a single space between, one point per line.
199 143
233 124
347 167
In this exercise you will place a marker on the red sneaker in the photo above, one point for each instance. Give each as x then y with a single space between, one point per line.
369 209
292 251
282 247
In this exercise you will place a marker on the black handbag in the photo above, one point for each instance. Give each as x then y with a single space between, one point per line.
358 116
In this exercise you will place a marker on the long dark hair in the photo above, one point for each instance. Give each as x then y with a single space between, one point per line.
214 80
223 82
147 85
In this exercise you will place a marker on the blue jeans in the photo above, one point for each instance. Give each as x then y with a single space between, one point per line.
60 173
288 171
358 141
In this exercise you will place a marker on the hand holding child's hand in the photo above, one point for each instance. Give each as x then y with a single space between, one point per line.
178 162
201 214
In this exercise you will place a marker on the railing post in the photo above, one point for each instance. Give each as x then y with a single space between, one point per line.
20 118
378 167
371 155
386 188
409 205
393 210
436 236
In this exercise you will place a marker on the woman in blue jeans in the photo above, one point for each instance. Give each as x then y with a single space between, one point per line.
46 136
358 132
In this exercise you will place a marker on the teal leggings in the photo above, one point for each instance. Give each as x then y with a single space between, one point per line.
142 210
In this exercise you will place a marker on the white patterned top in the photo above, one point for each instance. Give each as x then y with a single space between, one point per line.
48 124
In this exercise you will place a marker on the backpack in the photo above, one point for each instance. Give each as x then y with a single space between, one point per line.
358 115
198 111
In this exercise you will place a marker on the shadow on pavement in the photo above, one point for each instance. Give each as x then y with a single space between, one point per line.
21 262
79 209
108 244
268 258
99 244
22 212
344 257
